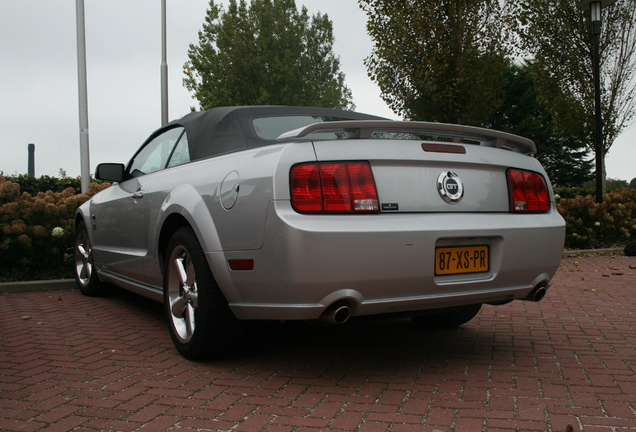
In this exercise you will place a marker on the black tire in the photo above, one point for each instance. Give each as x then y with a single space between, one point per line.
447 317
84 268
199 319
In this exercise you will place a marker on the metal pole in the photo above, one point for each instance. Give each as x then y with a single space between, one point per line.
164 67
85 178
31 167
598 129
595 7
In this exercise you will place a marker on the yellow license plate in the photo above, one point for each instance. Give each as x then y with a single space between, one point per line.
461 259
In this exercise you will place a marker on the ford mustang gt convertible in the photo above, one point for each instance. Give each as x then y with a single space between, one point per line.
314 214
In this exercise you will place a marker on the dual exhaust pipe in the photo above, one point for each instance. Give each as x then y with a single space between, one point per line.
338 313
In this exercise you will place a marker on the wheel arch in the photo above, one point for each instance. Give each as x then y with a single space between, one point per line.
83 215
78 219
185 207
172 223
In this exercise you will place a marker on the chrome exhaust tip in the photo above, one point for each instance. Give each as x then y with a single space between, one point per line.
538 293
336 314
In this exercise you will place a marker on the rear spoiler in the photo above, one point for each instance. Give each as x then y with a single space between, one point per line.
364 128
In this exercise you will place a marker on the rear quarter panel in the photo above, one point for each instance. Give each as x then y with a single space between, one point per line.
224 199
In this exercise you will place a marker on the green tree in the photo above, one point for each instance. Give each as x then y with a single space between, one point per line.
266 53
558 36
616 184
438 60
562 155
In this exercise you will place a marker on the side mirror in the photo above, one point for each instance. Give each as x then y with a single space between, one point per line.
112 172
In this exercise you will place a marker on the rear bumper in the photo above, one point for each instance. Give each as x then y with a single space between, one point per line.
384 263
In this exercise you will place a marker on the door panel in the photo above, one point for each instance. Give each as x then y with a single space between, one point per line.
120 228
121 218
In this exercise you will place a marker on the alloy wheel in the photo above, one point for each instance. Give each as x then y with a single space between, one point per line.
83 259
182 293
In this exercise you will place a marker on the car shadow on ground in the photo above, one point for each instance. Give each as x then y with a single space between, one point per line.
374 342
367 342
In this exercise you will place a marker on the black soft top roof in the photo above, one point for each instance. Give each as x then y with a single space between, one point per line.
225 129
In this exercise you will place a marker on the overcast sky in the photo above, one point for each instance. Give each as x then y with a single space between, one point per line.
39 87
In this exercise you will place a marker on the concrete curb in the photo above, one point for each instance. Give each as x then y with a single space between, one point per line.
568 253
69 284
30 286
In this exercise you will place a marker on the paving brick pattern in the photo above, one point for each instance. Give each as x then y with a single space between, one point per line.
71 363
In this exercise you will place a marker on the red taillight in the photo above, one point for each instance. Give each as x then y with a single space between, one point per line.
337 187
306 192
528 192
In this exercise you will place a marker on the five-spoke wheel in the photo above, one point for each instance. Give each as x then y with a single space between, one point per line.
182 293
85 275
198 316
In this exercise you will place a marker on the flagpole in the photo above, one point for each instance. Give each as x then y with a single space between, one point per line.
85 175
164 67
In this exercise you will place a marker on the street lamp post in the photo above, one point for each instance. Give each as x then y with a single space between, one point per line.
595 7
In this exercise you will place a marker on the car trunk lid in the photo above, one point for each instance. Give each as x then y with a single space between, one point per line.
428 167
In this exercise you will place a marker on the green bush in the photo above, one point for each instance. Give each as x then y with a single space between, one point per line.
33 185
573 192
590 225
36 231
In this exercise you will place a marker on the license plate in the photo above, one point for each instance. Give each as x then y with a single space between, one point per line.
461 259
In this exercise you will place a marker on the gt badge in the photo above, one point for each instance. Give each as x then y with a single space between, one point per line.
450 187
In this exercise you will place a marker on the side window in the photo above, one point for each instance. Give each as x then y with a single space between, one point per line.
181 153
154 155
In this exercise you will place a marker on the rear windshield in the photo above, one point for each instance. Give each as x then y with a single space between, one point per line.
270 128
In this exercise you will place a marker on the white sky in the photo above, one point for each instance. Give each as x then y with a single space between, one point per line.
38 78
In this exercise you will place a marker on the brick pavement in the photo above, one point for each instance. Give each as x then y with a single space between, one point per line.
71 363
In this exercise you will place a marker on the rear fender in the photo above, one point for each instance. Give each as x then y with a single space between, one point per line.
186 202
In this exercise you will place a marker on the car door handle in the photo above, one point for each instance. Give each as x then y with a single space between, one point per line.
138 194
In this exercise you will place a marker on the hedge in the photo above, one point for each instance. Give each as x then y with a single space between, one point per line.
36 231
589 225
45 183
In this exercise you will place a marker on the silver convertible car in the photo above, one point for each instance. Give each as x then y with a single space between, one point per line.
298 213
